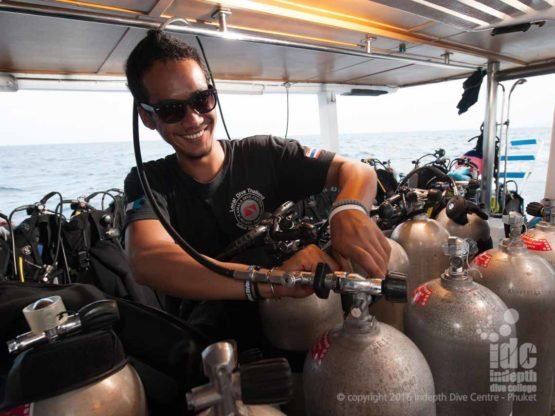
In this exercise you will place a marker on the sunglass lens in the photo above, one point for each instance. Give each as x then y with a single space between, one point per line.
171 113
204 101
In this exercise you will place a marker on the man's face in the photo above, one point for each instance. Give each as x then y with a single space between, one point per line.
167 81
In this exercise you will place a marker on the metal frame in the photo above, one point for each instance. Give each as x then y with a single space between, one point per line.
190 30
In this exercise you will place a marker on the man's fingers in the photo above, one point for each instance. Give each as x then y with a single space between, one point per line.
370 262
343 262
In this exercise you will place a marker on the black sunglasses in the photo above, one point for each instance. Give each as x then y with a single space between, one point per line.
173 111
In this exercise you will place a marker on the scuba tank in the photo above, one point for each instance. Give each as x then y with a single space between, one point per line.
392 313
463 218
229 391
71 364
365 367
541 240
295 324
526 283
462 329
422 239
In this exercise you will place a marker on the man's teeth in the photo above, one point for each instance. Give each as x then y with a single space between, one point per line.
194 136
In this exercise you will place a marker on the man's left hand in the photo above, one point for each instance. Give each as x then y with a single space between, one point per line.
356 237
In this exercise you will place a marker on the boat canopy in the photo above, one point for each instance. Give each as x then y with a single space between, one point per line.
364 45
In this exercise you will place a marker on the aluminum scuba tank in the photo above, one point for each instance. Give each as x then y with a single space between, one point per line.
459 326
295 324
71 364
422 239
464 219
541 240
526 283
365 367
392 313
247 391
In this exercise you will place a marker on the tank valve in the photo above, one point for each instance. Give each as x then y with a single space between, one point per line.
458 250
515 221
545 209
49 321
261 382
323 280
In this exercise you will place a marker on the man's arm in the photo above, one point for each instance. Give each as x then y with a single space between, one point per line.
353 234
157 261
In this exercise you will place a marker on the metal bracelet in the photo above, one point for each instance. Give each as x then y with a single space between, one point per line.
270 283
273 292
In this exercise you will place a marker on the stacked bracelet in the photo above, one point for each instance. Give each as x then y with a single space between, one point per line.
251 288
347 204
249 291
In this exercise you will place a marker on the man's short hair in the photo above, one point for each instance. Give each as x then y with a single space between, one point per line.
156 46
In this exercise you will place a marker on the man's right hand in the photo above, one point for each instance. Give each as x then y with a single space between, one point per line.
304 260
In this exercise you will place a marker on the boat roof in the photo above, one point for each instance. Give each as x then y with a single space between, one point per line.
373 45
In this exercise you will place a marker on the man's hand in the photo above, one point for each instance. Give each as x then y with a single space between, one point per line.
356 237
304 260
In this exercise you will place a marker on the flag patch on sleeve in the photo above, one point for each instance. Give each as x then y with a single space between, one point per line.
136 204
312 152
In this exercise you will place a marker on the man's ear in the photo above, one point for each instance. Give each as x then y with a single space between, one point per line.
146 118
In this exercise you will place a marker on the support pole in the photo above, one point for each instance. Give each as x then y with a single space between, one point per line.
490 127
550 180
329 131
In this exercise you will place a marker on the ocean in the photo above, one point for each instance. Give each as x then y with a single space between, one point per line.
29 172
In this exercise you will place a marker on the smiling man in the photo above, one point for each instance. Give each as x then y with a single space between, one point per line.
213 191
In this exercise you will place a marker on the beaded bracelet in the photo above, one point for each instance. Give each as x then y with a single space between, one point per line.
249 291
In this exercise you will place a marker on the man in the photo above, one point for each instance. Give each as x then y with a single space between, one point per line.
213 191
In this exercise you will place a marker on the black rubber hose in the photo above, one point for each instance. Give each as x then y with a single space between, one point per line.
437 172
165 223
214 85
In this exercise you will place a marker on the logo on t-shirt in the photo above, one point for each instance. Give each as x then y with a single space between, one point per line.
248 207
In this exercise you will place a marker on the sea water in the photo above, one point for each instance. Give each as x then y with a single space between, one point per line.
29 172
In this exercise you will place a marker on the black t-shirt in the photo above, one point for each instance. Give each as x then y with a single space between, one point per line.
259 174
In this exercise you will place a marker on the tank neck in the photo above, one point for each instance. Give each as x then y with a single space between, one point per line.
359 320
422 216
456 280
513 245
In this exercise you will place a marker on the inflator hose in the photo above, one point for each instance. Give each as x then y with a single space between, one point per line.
165 223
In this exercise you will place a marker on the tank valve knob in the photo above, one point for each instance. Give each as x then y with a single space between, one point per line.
394 287
534 209
456 210
320 281
266 382
386 210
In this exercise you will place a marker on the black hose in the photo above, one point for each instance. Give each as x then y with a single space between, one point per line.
165 223
287 109
436 171
59 214
214 85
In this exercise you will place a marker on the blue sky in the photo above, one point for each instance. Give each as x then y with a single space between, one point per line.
29 117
